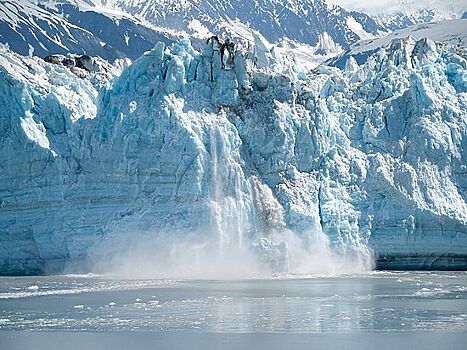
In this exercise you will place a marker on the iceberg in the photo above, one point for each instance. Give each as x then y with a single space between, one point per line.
368 161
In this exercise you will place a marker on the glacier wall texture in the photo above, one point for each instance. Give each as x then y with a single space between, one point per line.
373 156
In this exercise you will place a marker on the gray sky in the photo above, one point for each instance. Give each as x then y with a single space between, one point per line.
377 6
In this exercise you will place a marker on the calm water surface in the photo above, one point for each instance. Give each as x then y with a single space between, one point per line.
380 309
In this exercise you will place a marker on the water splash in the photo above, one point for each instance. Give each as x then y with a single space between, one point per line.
229 209
246 233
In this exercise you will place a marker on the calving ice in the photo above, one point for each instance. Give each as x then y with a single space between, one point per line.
188 158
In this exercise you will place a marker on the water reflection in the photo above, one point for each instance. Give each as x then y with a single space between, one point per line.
376 302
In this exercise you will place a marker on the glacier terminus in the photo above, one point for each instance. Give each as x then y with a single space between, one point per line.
223 153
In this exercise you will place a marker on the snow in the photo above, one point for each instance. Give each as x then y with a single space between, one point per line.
35 131
238 165
450 32
299 21
199 30
75 26
358 29
262 51
326 45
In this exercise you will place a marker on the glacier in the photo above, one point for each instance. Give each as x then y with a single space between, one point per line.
450 32
236 149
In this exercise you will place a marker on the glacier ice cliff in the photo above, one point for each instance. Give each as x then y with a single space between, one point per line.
243 148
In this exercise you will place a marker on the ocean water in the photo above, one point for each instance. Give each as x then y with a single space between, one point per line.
420 310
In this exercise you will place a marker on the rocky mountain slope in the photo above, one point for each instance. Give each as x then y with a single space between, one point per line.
43 28
312 31
121 28
302 21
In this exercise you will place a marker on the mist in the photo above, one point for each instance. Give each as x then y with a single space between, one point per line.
196 255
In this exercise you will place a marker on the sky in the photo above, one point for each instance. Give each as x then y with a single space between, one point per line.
378 6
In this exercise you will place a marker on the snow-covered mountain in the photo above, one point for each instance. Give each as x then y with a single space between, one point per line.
127 28
123 28
243 150
302 21
45 27
403 19
450 32
313 30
